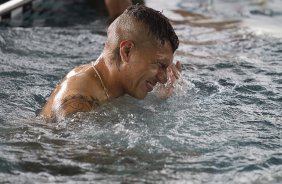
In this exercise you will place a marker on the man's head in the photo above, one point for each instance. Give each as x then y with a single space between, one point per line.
141 43
157 24
141 24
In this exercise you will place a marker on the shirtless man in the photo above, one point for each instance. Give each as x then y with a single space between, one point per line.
138 54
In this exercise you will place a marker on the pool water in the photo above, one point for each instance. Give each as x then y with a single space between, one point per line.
223 125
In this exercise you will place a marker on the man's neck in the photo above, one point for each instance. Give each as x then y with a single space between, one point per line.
110 75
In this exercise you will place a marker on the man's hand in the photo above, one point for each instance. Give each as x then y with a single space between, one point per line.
173 72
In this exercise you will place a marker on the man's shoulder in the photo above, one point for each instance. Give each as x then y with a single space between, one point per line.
78 71
80 78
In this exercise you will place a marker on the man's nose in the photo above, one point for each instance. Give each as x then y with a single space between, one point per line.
162 76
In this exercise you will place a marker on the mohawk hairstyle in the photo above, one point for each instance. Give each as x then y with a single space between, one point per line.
159 26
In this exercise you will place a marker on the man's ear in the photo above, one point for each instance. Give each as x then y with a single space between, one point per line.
125 49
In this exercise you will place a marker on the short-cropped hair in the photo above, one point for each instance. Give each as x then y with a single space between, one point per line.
158 25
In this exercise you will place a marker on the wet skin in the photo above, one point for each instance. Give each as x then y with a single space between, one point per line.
140 70
78 92
145 68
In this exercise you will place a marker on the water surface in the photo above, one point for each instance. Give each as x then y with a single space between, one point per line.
223 125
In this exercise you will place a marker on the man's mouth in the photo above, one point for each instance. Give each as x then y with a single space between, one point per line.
150 86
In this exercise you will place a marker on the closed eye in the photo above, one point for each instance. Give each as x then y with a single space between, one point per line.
161 65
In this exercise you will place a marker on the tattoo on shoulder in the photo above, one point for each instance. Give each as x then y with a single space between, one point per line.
79 103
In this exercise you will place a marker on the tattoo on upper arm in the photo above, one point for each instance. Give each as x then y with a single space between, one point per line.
78 103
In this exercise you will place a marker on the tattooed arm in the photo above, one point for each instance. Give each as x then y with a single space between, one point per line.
77 103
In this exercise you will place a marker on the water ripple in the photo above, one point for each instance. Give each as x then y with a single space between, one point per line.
222 126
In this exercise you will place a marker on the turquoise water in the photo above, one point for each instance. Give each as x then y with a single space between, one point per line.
222 126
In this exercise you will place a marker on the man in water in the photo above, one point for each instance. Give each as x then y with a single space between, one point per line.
138 54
